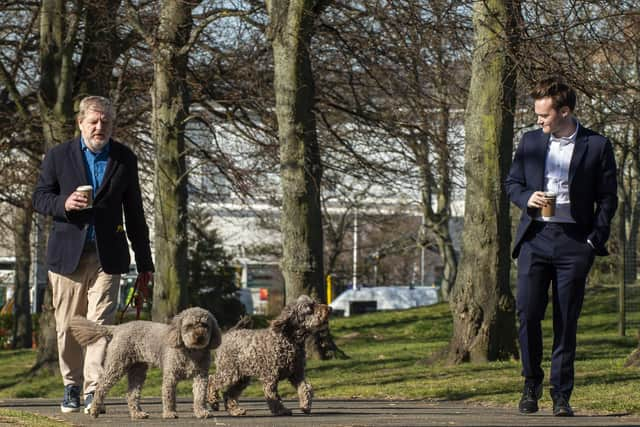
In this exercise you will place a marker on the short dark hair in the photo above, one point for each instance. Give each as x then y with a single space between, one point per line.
560 93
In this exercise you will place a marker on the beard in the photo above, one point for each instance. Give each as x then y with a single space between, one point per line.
96 144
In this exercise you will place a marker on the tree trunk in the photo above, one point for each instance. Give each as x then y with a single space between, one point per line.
437 185
630 214
22 327
436 220
170 106
482 304
449 260
628 222
56 110
290 31
441 229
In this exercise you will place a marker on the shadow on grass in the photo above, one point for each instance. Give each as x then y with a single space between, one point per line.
607 380
11 382
390 324
358 365
15 365
603 348
451 387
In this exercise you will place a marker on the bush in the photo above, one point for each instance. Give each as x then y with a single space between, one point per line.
6 328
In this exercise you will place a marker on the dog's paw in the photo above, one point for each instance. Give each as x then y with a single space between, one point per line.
203 413
94 411
169 414
306 410
236 411
215 406
139 415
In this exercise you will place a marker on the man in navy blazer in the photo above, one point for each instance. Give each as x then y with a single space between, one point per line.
578 165
88 250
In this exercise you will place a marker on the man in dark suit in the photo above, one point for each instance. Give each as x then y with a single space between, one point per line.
88 250
578 165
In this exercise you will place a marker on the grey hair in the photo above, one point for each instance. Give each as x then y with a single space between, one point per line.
96 103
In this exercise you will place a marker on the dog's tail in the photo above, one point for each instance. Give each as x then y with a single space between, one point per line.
88 332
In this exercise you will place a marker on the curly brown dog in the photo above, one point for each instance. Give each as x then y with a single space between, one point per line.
182 349
271 355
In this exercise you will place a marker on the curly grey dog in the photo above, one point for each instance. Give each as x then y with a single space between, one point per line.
181 349
272 354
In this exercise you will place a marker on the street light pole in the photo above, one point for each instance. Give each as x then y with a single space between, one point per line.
355 250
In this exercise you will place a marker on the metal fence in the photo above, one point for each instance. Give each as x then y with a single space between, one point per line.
629 292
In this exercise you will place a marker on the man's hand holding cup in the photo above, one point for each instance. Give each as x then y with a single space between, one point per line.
545 201
79 199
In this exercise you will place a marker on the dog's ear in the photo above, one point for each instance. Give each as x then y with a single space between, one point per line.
174 336
280 323
216 336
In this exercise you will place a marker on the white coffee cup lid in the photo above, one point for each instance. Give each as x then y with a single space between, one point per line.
84 188
550 194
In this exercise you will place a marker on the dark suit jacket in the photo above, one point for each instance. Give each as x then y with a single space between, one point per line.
63 170
592 183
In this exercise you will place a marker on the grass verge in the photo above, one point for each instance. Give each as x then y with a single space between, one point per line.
20 418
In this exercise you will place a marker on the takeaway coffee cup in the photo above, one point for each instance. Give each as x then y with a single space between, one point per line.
88 191
549 208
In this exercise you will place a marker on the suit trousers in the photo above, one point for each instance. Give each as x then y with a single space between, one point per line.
556 254
91 293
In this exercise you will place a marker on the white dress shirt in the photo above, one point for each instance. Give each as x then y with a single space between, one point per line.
556 175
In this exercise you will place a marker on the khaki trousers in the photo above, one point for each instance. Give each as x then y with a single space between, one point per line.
91 293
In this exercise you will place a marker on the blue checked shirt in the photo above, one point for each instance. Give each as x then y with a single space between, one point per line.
96 164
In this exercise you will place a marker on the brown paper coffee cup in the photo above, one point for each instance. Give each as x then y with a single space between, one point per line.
549 209
88 191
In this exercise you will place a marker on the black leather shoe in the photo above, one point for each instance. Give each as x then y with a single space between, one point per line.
529 400
561 407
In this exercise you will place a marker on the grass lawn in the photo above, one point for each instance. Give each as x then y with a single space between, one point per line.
387 351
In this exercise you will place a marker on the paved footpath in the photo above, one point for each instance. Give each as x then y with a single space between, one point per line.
327 412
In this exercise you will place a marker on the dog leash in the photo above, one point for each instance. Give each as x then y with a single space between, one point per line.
139 295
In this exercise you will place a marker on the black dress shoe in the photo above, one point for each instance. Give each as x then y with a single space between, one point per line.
561 407
529 400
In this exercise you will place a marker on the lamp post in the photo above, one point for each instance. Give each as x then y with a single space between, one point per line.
355 250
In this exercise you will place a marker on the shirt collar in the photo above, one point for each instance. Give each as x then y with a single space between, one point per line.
85 149
566 139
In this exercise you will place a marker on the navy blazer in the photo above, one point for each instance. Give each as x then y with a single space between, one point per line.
62 171
592 183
